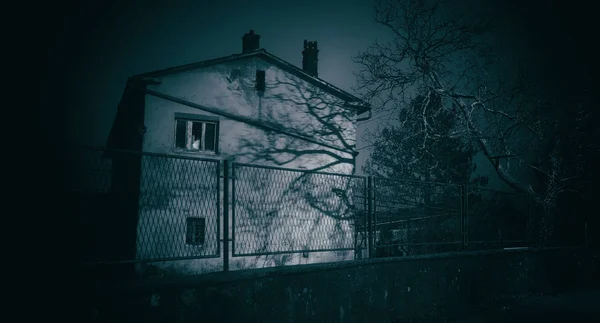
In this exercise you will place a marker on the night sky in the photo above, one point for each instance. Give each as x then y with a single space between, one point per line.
114 43
96 45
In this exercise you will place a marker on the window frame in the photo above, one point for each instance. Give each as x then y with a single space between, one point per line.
196 237
190 119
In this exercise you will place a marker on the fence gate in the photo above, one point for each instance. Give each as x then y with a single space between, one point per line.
284 211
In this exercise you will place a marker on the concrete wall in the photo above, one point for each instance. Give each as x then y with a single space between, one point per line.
170 193
381 290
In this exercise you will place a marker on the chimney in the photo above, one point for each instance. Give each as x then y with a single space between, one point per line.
310 58
250 42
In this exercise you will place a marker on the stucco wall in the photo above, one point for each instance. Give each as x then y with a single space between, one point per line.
289 103
171 190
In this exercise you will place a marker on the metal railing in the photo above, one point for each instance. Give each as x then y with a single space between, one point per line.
142 207
412 217
497 219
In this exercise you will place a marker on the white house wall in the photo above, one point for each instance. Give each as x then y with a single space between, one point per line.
287 102
171 190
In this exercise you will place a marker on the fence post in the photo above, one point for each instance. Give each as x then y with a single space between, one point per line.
529 230
225 215
370 216
463 217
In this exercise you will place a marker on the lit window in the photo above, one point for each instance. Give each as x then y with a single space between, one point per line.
196 135
194 234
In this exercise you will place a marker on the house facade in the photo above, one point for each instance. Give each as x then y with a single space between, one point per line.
251 107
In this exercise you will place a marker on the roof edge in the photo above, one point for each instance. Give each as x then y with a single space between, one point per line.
351 100
185 67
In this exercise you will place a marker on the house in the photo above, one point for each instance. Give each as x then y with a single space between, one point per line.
250 107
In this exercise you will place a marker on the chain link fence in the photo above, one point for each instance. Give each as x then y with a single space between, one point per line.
413 217
279 210
497 219
145 207
138 207
179 208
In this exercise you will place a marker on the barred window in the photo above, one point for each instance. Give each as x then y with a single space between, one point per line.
194 234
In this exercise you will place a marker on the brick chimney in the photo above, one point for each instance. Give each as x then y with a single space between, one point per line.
310 58
250 42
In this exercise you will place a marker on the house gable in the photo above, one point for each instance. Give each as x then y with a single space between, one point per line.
290 116
350 99
266 112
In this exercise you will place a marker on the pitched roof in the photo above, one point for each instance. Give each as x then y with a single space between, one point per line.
352 100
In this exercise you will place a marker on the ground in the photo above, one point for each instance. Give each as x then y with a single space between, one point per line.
577 306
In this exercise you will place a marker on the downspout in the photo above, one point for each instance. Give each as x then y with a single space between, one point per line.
356 152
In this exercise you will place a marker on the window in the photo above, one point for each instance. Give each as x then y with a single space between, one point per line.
194 234
196 133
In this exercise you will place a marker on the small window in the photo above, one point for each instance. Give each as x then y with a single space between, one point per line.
194 234
196 135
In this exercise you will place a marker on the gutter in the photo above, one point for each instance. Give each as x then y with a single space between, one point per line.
365 118
246 120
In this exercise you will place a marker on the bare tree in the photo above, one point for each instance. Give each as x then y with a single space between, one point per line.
401 151
288 210
322 127
438 49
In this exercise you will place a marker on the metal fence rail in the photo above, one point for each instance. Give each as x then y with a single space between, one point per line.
138 207
179 208
145 207
413 217
497 219
277 210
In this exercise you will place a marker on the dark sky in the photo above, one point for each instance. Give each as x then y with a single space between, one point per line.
109 44
96 45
